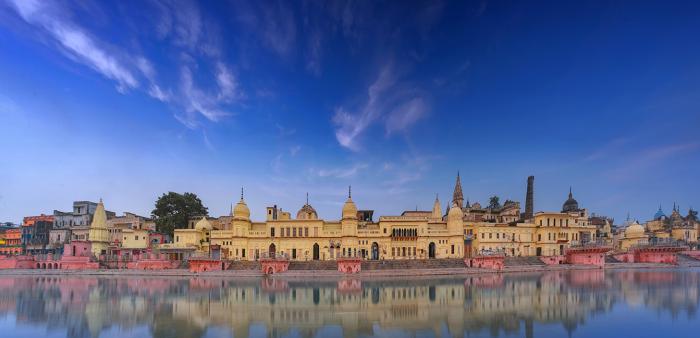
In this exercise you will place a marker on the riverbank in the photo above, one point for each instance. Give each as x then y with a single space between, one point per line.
313 274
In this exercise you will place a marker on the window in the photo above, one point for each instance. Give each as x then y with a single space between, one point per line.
547 221
294 253
243 253
306 232
453 249
294 232
272 232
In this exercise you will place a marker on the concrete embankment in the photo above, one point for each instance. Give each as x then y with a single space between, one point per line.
313 274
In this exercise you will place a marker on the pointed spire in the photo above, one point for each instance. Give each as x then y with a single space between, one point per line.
457 196
307 198
571 195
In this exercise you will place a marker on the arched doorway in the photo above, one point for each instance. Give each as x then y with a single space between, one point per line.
431 250
316 251
375 251
271 250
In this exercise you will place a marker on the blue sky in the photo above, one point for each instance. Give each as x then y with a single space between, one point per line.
128 100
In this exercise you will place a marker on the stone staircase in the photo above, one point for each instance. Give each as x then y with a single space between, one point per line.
313 265
245 265
611 259
413 264
522 261
684 259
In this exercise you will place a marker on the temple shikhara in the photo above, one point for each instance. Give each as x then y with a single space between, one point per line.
462 230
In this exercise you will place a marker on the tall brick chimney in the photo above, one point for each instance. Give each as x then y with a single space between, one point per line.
529 198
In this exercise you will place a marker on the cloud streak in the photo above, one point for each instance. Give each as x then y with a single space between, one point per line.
383 94
180 22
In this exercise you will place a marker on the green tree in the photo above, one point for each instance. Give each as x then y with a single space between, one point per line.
494 202
174 210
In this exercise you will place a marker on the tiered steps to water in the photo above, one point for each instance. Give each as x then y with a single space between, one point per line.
413 264
611 259
313 265
684 259
245 265
522 261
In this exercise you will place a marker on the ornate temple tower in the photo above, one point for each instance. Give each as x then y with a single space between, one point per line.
457 196
99 235
436 209
348 221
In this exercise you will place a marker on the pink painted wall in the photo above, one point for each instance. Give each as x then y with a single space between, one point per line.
77 248
627 257
204 265
656 257
349 265
586 258
17 262
271 266
485 262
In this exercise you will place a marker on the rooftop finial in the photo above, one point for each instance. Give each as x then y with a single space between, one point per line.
100 199
570 193
436 197
349 191
307 198
241 193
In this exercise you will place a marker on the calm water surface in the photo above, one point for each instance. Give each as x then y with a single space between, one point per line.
630 303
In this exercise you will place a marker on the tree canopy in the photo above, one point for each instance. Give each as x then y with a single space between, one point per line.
174 210
494 202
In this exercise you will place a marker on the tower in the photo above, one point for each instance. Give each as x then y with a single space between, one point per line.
436 209
457 196
529 198
99 235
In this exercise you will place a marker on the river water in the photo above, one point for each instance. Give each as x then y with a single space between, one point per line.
592 303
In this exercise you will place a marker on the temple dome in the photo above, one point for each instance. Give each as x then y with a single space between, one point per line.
659 214
307 212
571 204
241 210
634 230
203 224
455 213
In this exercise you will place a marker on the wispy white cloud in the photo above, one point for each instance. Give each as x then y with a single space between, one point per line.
77 43
635 163
406 115
341 172
383 94
294 150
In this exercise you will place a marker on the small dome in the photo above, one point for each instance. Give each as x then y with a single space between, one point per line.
476 205
634 230
241 210
659 214
203 224
571 204
455 213
307 212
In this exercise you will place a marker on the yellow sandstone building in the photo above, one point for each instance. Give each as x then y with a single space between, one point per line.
462 231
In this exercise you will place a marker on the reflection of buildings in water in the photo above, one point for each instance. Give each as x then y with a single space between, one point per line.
493 303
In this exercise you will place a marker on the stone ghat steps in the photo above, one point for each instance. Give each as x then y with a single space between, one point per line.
522 261
611 259
245 265
413 264
313 265
684 259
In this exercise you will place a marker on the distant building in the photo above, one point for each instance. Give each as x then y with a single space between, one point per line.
81 216
35 233
10 240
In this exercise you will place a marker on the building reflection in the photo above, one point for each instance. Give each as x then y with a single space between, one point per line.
493 304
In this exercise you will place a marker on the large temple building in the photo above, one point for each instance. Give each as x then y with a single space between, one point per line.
463 230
